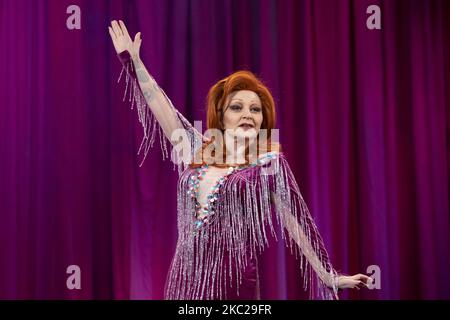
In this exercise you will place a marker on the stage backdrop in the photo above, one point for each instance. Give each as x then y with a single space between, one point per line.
363 119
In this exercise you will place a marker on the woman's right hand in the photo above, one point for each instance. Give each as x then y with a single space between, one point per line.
122 40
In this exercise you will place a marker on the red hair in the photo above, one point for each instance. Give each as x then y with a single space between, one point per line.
217 98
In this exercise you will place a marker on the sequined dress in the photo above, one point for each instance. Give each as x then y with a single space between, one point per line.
216 257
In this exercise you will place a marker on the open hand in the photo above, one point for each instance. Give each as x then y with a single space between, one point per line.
122 40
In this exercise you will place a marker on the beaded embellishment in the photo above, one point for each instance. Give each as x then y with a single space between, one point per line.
204 214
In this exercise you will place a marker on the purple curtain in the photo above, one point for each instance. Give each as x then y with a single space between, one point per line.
363 119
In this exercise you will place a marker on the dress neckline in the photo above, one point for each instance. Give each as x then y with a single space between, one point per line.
205 214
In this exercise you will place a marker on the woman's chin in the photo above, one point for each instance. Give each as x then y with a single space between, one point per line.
245 133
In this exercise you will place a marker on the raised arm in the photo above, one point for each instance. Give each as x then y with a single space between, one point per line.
157 101
145 92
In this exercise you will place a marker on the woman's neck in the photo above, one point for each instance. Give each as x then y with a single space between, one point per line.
235 155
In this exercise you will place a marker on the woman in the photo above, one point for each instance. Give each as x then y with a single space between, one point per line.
235 187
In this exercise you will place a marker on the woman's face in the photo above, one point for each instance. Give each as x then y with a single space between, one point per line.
243 110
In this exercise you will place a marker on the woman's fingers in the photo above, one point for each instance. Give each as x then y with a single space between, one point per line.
356 281
112 34
116 28
366 279
124 29
362 277
137 38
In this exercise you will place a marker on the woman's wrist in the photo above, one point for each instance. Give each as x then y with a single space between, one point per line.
136 59
337 282
125 56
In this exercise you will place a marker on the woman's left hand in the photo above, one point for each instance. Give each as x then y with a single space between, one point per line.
357 281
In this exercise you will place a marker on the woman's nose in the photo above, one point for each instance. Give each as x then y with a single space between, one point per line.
247 114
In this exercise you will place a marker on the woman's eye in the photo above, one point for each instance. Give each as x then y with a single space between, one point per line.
256 109
235 107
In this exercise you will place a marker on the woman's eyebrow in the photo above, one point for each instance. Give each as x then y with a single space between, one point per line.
253 101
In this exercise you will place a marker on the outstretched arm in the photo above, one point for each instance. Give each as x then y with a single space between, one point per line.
298 235
296 232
